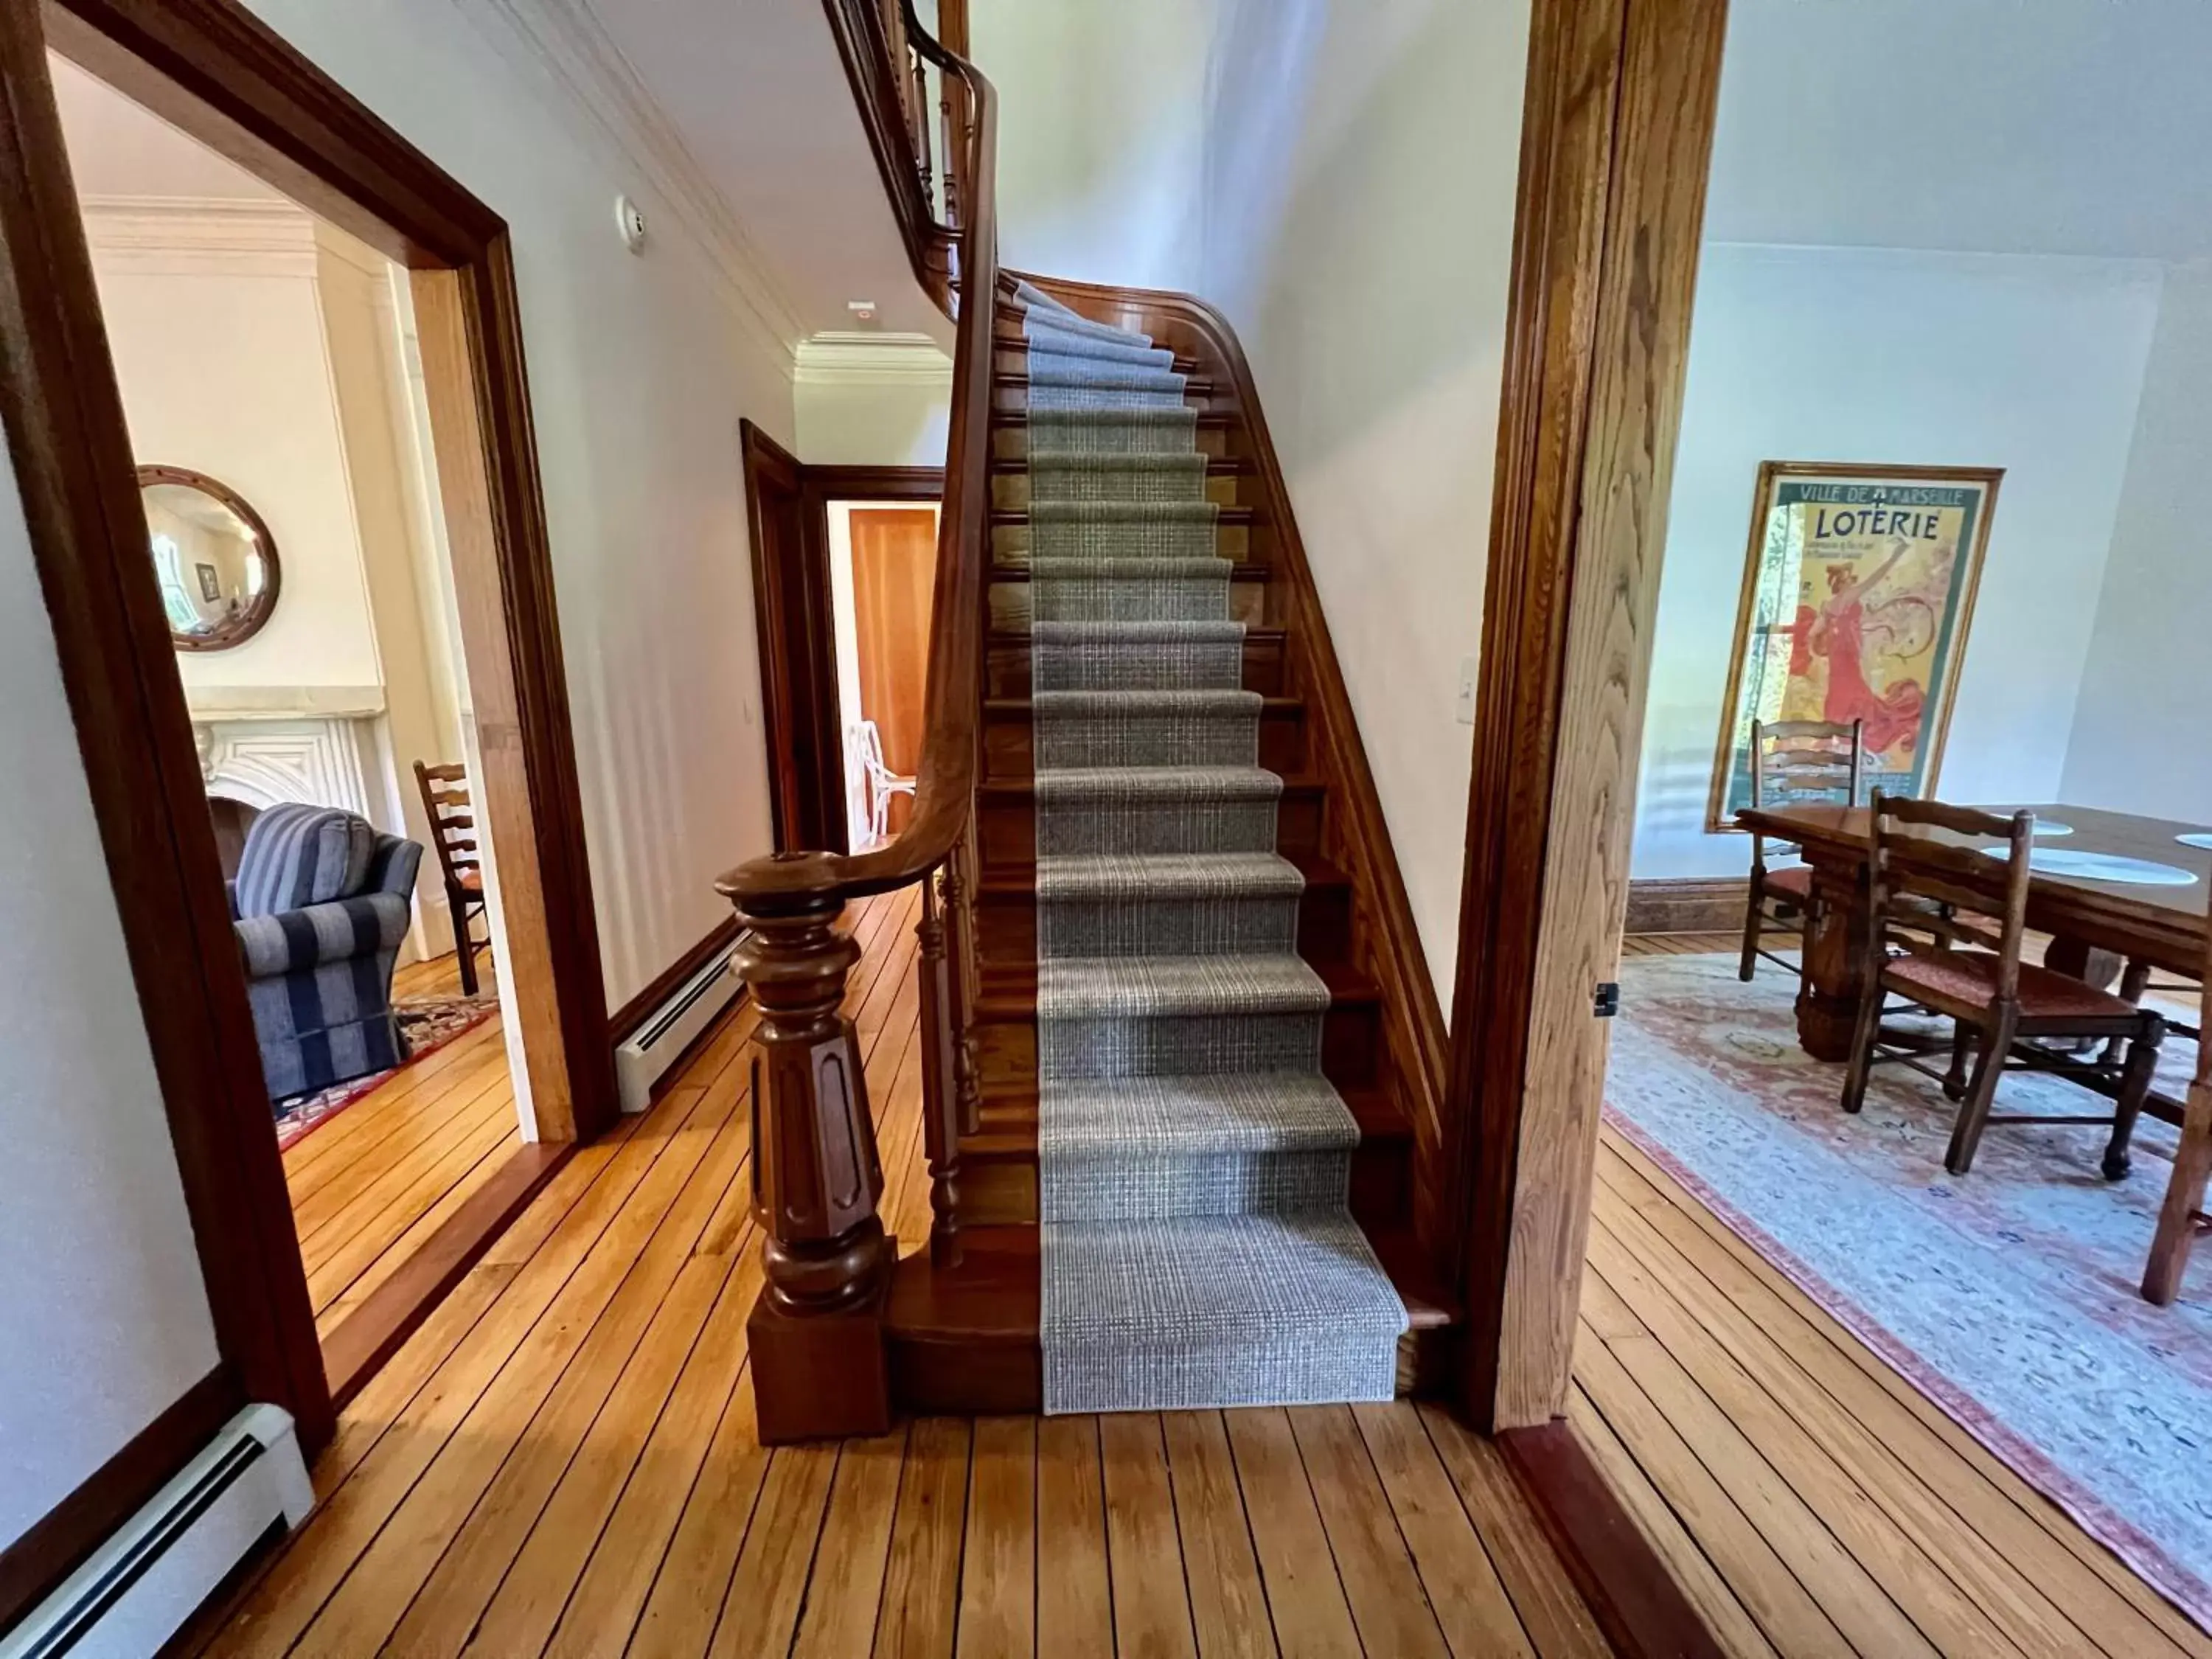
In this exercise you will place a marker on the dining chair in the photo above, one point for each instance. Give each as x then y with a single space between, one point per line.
453 837
2182 1217
882 782
1924 856
1794 764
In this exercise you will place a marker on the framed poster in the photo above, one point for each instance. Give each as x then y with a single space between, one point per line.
1858 587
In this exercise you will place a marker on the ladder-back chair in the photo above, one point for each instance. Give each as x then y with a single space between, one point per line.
2183 1216
2006 1014
1794 764
453 837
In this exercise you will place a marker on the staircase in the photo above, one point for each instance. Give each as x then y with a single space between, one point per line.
1193 1180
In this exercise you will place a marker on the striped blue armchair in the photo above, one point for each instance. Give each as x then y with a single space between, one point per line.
320 904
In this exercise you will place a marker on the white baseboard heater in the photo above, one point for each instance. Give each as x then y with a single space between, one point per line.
138 1588
658 1044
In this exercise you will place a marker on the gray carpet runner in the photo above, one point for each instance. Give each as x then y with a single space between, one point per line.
1194 1163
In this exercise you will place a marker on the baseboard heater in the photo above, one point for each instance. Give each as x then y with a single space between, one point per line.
645 1057
137 1590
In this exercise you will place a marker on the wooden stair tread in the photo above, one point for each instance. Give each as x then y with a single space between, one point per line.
1008 991
1026 788
1229 516
1009 1121
1217 466
993 1295
1007 880
1194 385
1008 707
1020 573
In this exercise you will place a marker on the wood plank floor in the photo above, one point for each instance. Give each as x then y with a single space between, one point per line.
1810 1500
563 1461
368 1186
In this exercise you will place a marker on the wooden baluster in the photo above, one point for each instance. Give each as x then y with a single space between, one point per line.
940 1100
919 115
960 925
816 1331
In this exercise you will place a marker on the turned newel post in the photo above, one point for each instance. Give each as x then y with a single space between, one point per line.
816 1333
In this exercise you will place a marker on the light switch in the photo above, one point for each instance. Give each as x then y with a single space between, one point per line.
1467 690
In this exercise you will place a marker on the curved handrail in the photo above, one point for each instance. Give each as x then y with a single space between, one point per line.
952 698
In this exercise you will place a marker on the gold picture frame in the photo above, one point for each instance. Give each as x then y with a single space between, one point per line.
1902 550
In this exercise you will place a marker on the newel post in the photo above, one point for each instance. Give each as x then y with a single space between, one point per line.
816 1331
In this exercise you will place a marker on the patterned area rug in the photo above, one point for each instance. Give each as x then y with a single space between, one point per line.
1192 1162
2008 1297
426 1025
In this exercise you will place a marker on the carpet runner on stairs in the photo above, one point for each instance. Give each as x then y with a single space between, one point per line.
1194 1163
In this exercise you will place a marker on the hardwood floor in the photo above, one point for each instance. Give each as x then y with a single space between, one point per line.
563 1460
1810 1500
371 1185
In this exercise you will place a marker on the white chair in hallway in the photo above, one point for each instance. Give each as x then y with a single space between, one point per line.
867 752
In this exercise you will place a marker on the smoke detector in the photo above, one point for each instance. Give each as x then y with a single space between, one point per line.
629 221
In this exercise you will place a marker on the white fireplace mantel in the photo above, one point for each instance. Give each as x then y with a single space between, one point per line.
265 746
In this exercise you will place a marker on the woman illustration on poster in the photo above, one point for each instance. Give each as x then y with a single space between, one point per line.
1838 631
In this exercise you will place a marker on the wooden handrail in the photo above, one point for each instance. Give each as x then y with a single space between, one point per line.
944 784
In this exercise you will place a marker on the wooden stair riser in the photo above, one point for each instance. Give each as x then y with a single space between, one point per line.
1008 669
1005 924
1351 1041
1009 826
1010 389
1010 488
1009 741
1010 437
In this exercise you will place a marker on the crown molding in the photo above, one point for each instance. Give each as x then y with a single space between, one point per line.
844 358
564 40
200 236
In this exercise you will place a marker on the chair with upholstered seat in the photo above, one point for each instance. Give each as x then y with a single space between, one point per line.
453 836
1793 764
1926 858
319 905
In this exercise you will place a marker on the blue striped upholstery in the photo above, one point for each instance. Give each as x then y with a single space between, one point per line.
321 902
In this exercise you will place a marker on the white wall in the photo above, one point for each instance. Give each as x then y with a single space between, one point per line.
223 366
2140 739
1339 178
2034 365
639 368
105 1322
871 400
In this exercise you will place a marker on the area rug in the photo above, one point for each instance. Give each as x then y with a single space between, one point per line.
2008 1296
1195 1245
425 1026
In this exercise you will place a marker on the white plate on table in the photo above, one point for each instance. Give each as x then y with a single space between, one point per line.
2197 838
2085 866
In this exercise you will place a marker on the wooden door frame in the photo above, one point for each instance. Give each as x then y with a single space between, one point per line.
1616 140
796 628
211 68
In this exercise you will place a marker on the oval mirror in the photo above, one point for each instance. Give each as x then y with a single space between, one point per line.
213 557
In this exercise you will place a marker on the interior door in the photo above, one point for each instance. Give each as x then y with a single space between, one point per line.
894 570
798 651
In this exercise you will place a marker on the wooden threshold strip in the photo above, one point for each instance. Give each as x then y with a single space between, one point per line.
1639 1604
391 1312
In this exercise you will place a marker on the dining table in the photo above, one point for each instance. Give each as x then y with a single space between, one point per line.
2095 926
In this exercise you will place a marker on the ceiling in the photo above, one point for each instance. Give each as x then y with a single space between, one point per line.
758 95
116 147
2007 126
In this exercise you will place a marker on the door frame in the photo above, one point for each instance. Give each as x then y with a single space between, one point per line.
1616 143
211 68
796 625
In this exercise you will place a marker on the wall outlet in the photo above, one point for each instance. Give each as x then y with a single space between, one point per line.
1467 690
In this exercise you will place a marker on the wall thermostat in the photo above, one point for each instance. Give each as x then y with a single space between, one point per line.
631 223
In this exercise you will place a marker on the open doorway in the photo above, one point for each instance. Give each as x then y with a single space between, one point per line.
844 566
296 566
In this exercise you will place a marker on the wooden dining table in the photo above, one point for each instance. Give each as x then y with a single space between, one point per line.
2094 926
